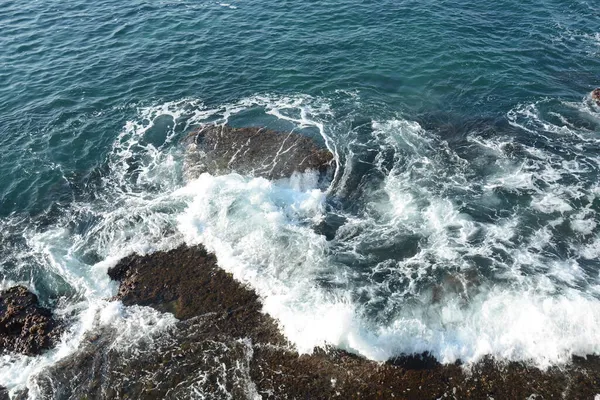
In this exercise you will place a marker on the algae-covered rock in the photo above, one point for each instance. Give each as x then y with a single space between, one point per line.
187 282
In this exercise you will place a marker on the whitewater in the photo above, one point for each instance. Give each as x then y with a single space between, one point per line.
481 239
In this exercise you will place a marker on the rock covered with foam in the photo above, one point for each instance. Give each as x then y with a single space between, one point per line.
225 347
222 149
25 326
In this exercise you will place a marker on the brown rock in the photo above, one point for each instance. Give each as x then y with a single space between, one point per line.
596 95
253 151
187 282
225 347
25 327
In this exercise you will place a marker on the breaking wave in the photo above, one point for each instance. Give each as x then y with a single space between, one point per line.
461 242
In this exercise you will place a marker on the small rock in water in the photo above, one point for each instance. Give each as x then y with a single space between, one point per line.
25 327
221 149
596 95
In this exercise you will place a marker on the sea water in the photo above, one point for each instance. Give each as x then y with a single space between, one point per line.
462 220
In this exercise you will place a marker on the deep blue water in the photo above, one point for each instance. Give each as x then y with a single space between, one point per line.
467 144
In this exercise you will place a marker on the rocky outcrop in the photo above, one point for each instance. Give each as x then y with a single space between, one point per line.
25 327
596 95
221 149
187 282
225 347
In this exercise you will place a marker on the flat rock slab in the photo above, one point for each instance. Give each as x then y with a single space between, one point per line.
25 327
225 347
222 149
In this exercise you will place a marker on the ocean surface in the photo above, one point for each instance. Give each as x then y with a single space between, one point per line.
464 216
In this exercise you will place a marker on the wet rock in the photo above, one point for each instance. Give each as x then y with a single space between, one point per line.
187 282
207 353
25 327
596 95
190 360
4 393
225 347
253 151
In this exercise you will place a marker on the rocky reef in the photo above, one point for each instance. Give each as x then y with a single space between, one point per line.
221 149
223 346
25 326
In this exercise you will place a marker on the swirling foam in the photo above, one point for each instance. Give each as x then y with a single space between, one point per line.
458 255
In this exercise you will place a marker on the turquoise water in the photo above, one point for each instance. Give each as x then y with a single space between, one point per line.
465 136
74 72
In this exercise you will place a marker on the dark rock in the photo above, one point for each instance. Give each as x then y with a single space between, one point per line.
596 95
4 393
225 347
415 361
187 282
25 327
221 149
208 352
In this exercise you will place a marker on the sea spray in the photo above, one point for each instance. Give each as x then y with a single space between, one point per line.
441 253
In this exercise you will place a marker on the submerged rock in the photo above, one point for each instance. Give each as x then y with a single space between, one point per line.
596 95
221 149
25 327
225 347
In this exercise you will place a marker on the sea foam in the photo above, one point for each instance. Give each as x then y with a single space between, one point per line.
437 252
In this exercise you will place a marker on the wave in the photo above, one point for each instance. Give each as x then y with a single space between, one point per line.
464 247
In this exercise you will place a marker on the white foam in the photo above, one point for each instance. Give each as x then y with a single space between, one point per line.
531 118
19 370
262 232
527 321
583 225
256 229
512 324
508 325
126 219
591 251
550 202
227 5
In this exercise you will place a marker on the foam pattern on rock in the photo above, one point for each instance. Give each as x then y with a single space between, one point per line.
221 149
